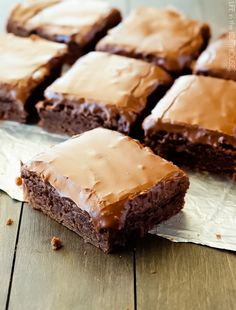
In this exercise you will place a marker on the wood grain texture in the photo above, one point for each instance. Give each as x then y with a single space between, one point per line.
173 276
8 209
78 276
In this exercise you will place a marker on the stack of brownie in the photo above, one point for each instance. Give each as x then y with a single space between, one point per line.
104 185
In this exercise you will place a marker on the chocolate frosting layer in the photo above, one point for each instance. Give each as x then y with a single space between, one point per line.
165 36
219 59
100 170
200 108
61 20
24 64
110 80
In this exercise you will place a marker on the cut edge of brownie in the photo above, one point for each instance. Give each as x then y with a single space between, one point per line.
71 117
216 158
219 73
25 112
144 211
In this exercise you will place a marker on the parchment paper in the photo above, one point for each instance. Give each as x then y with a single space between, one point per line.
209 215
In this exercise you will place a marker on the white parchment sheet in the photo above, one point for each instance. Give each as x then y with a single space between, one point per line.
209 215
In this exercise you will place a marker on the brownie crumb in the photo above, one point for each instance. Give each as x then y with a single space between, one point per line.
9 222
56 243
218 236
19 181
34 37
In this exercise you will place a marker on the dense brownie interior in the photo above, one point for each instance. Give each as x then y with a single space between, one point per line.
194 124
160 203
69 119
219 159
11 110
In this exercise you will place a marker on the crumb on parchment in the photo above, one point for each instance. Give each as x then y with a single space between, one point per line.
9 222
56 243
218 236
19 181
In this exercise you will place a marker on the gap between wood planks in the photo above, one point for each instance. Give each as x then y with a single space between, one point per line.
14 257
134 276
14 260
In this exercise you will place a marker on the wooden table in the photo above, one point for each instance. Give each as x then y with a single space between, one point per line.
158 274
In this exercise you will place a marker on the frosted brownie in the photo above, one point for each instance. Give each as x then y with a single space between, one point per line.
102 90
219 59
164 37
195 124
27 67
80 24
104 186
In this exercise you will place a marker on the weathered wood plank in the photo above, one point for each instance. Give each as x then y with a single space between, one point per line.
78 276
174 276
8 209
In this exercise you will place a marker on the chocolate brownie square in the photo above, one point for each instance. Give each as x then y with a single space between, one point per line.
164 37
104 186
79 24
195 124
219 59
27 67
102 90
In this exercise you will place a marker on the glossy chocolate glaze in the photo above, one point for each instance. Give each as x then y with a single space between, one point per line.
202 109
62 21
165 37
24 64
215 60
100 170
108 80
